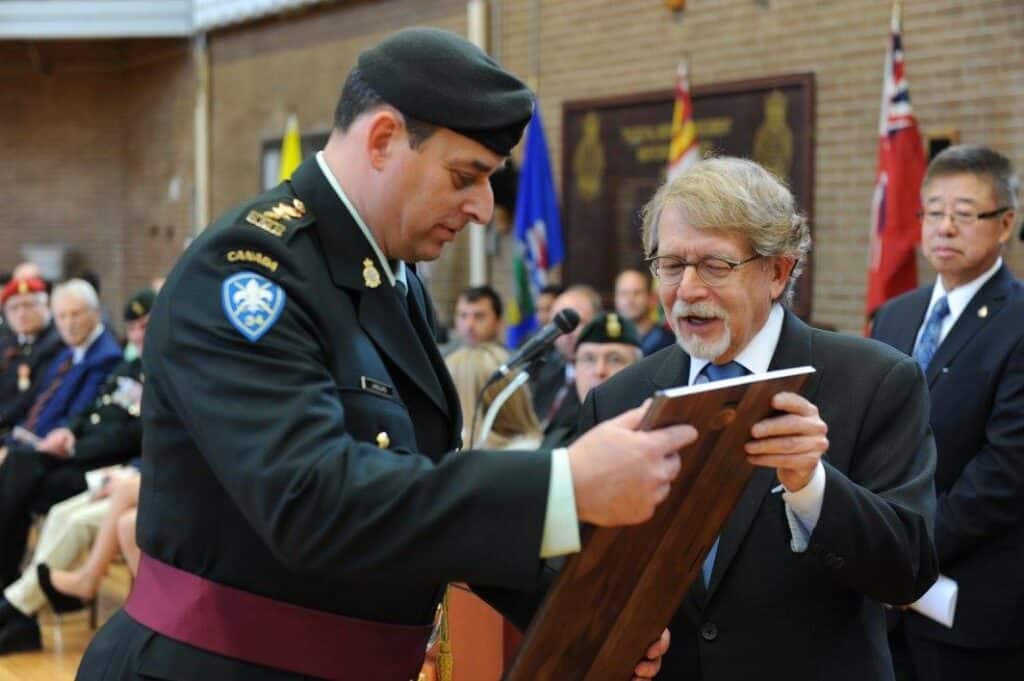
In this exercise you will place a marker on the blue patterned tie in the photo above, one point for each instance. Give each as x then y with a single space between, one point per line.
713 372
929 342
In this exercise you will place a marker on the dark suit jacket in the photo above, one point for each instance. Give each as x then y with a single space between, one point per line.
80 384
977 392
773 613
260 464
14 403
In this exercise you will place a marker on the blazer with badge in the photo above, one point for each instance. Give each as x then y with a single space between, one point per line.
769 612
80 383
26 363
976 379
299 428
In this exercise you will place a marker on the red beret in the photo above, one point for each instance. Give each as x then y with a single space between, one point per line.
18 286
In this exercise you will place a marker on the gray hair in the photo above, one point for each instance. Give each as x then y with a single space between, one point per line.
79 288
729 194
978 160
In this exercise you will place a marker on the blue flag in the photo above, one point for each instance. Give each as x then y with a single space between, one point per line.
538 231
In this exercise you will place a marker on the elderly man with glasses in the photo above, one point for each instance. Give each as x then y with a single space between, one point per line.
967 332
836 520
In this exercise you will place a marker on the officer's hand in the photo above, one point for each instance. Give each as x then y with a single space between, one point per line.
59 442
620 474
649 666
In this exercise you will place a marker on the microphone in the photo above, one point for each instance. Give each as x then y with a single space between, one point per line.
564 322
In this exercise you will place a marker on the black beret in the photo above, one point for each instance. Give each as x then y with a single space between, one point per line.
443 79
609 327
139 304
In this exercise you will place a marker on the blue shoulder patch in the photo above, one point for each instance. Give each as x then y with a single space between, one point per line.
252 303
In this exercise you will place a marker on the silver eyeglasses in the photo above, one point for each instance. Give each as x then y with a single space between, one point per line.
713 270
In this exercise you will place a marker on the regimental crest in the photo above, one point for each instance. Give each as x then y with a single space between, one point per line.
252 303
371 277
612 326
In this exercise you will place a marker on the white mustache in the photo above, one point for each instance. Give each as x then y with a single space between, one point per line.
702 309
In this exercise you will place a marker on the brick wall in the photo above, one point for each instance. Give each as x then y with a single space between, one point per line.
87 130
98 141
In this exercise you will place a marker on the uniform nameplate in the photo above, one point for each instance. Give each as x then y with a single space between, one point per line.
376 386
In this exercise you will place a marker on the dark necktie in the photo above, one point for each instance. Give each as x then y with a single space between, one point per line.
714 372
37 407
929 342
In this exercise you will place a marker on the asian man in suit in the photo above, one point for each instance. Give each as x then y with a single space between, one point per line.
967 332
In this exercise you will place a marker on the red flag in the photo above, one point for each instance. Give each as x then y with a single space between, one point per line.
683 150
895 228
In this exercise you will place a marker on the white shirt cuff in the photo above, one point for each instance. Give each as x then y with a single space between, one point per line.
561 525
803 508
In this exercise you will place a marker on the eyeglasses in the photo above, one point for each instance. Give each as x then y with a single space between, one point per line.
713 270
961 218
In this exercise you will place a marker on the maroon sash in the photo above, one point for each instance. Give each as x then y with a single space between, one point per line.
244 626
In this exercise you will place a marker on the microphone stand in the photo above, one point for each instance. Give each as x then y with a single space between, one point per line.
498 403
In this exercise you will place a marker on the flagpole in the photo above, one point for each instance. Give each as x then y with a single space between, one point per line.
476 17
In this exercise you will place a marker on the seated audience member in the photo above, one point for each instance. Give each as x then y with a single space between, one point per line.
34 478
966 330
545 301
552 379
27 351
515 426
76 373
635 301
478 313
105 519
606 346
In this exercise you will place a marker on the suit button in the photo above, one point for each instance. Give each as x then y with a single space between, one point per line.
708 631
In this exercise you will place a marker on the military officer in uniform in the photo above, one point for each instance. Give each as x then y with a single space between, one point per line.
34 478
302 503
27 350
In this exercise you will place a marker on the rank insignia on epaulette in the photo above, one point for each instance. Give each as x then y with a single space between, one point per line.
383 440
265 223
252 303
612 326
286 211
371 277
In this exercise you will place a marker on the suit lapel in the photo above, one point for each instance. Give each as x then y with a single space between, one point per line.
992 296
905 327
794 349
380 313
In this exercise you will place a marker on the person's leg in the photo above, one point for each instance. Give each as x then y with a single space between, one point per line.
68 531
20 476
126 538
85 581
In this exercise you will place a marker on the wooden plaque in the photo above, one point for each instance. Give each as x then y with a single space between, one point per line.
613 599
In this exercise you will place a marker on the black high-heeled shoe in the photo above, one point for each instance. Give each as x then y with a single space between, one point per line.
60 603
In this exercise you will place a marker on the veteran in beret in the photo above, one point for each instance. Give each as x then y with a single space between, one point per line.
35 477
27 350
302 502
605 346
